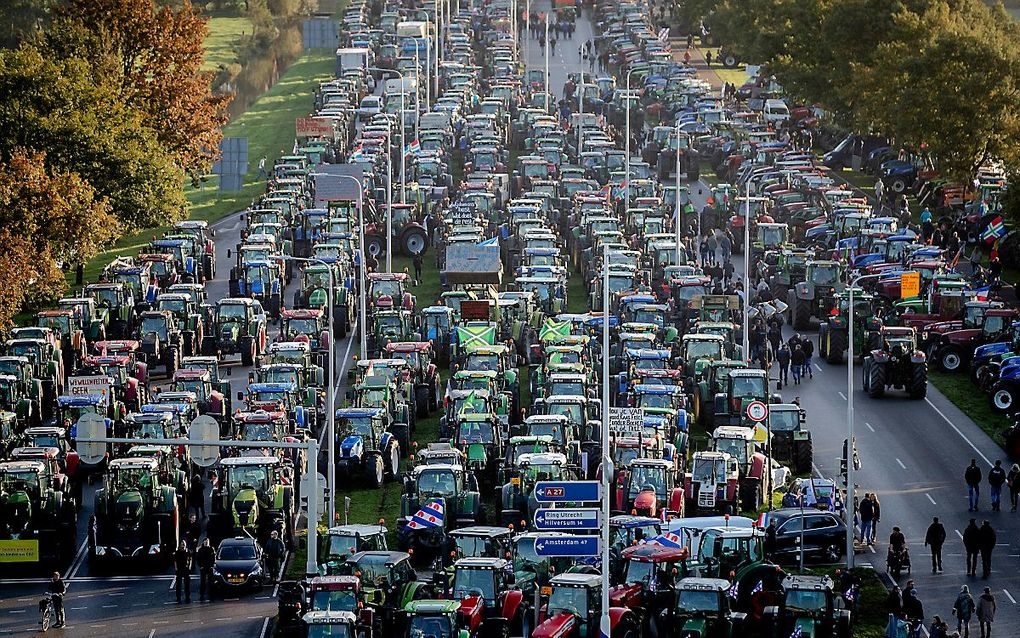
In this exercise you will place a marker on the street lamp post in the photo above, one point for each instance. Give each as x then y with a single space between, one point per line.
747 264
850 469
331 394
389 207
607 461
362 292
527 36
546 62
679 226
626 182
403 141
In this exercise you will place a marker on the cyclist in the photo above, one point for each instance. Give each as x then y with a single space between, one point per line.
57 587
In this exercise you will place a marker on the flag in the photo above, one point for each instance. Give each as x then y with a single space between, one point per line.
669 539
757 588
733 590
412 149
663 35
994 230
850 594
430 515
357 153
606 191
553 329
797 632
956 258
472 404
763 520
981 294
491 241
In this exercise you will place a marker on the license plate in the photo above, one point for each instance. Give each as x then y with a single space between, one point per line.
236 580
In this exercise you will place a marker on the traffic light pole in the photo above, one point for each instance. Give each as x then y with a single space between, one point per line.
310 476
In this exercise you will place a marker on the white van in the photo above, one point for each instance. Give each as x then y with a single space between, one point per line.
776 111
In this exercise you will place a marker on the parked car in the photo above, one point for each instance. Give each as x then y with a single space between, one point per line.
239 565
824 535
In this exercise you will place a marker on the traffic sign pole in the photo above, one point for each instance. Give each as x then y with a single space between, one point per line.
607 461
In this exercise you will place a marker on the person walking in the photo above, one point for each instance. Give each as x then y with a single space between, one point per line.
418 263
986 543
193 532
972 475
877 505
708 58
986 612
274 554
797 360
1013 481
262 168
894 602
913 610
934 538
196 495
996 479
713 245
57 587
205 558
939 628
963 609
770 540
783 359
866 510
775 335
809 351
726 247
972 545
182 572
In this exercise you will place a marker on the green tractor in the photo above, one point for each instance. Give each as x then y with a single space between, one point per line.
20 392
253 495
136 515
834 334
35 510
190 319
478 435
315 282
792 444
448 489
433 618
713 379
239 326
518 501
737 391
115 298
161 340
816 295
810 606
701 608
376 391
387 326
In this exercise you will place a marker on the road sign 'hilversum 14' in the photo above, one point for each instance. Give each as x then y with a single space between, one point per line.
567 518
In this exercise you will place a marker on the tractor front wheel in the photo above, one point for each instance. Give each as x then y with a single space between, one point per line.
876 380
374 470
1003 397
918 388
949 359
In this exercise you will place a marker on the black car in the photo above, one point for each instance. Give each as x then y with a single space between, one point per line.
824 535
239 565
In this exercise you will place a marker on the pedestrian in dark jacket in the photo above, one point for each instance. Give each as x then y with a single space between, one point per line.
877 504
182 572
963 609
1013 481
934 538
275 551
783 359
775 335
986 541
973 478
972 545
996 479
894 602
205 558
196 495
797 360
912 608
728 271
986 612
809 350
193 532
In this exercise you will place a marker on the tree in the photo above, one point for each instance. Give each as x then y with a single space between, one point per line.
48 220
159 51
71 110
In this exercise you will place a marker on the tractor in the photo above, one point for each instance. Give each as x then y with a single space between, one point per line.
253 495
740 388
161 340
387 583
574 610
810 606
712 484
211 401
36 507
791 441
315 282
490 602
344 540
20 392
650 574
389 325
833 335
648 487
116 299
451 489
189 316
366 445
479 436
239 327
700 608
518 502
136 515
755 475
420 358
895 362
815 296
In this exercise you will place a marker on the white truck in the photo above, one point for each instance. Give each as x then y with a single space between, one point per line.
351 59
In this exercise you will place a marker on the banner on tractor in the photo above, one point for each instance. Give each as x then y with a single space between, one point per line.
19 551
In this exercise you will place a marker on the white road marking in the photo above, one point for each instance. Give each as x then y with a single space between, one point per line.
843 396
77 608
929 497
76 564
868 425
817 367
109 606
817 471
265 626
1009 596
152 633
17 611
871 548
962 435
958 534
116 593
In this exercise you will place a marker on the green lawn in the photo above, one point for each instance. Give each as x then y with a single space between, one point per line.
971 401
223 41
269 126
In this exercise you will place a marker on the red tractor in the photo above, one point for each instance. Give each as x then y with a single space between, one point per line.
952 350
574 610
489 603
650 574
647 487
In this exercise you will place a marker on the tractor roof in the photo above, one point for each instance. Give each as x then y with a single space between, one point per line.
816 583
328 618
432 606
243 461
577 580
302 313
487 531
654 553
643 388
542 458
23 466
356 530
703 584
134 463
438 467
733 432
359 413
408 346
481 562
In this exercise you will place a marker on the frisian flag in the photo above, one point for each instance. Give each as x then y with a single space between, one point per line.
663 35
797 632
430 515
734 590
552 329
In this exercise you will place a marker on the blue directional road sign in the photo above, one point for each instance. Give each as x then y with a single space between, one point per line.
568 546
567 518
567 491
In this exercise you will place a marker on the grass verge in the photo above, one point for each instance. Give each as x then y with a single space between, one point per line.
269 127
223 41
971 401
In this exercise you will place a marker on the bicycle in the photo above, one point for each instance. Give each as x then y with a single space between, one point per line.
47 611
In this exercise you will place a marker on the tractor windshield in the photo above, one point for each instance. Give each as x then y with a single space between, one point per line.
302 327
784 420
544 472
389 325
339 630
736 448
285 375
192 385
342 600
482 362
475 432
641 572
11 481
150 429
704 350
130 479
660 401
572 600
430 627
650 316
689 600
44 440
358 426
386 288
155 325
232 312
176 306
436 324
686 293
108 297
547 428
644 477
772 235
824 274
474 582
573 411
316 279
257 432
248 476
806 599
749 386
437 483
476 546
711 470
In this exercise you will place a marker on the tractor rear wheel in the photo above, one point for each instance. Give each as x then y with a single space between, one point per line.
949 359
626 628
414 241
836 344
393 462
1003 397
403 434
802 314
876 380
421 402
918 387
803 455
247 347
374 245
374 470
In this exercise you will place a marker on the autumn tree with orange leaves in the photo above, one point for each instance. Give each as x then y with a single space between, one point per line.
159 54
